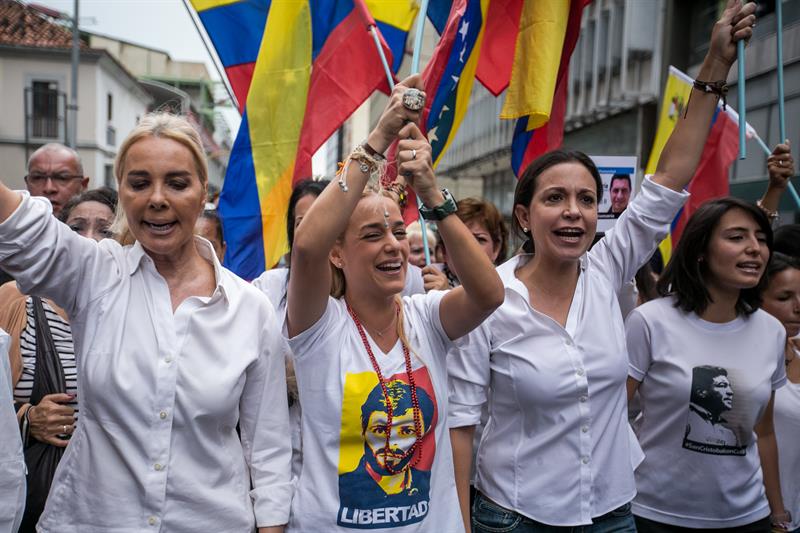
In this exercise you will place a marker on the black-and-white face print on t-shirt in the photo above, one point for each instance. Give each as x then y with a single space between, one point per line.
713 425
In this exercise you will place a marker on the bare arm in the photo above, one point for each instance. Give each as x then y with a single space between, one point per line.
481 291
780 166
310 282
768 452
9 201
631 386
461 441
681 155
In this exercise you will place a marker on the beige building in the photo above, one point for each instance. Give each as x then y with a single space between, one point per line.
35 78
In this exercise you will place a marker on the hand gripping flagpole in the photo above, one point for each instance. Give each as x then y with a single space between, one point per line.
389 78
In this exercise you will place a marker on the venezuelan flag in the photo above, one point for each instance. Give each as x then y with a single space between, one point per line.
316 64
532 136
449 76
235 28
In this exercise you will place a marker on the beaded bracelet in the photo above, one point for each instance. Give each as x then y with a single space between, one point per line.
771 215
367 164
398 189
719 88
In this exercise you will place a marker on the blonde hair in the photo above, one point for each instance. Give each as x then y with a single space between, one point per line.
414 229
159 125
339 284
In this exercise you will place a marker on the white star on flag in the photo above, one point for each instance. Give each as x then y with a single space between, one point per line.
463 29
455 82
432 138
461 55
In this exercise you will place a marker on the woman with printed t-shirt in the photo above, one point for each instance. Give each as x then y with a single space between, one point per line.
782 300
706 362
381 461
557 451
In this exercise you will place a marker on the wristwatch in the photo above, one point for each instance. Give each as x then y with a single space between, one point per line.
441 211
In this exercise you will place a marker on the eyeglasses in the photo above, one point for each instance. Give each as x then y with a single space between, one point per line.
58 179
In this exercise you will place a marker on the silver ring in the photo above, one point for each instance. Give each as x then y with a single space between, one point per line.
413 153
413 99
65 430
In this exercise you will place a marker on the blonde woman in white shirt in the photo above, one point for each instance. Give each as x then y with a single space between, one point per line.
371 365
172 350
557 451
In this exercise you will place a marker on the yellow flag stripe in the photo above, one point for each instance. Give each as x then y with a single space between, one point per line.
202 5
542 27
399 13
276 105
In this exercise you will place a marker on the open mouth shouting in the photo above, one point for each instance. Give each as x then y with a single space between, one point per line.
569 235
750 268
159 228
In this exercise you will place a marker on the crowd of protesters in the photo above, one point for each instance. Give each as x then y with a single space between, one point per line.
362 385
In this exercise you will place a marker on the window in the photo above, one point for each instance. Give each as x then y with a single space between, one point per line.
110 107
45 109
108 177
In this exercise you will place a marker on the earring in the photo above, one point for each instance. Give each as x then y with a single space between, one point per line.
525 230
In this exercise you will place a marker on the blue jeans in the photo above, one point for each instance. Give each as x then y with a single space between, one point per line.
488 517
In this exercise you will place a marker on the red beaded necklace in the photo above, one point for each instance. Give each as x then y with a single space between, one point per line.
388 401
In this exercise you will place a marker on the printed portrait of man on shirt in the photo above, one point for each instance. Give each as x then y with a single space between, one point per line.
391 487
707 428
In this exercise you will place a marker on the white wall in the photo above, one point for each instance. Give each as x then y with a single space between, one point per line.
96 80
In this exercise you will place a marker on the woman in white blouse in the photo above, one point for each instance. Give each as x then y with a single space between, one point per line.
172 351
557 450
371 365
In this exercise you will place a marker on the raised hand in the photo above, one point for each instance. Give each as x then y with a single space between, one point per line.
415 164
780 166
735 24
395 116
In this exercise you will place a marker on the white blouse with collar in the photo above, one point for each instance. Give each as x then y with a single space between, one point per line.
557 447
161 392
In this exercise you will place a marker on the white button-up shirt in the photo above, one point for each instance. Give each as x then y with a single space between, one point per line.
557 446
12 460
161 392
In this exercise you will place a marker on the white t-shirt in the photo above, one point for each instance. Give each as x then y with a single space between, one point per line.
343 408
273 284
704 386
787 433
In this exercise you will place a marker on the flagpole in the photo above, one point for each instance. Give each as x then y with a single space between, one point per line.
423 12
779 41
213 57
390 80
741 103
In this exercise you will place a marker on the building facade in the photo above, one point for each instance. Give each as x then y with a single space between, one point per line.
35 76
617 75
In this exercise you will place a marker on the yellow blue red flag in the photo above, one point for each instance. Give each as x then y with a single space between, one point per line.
316 64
